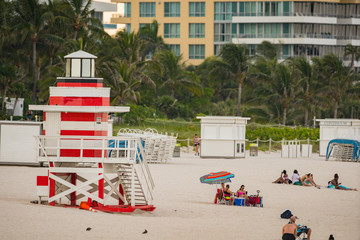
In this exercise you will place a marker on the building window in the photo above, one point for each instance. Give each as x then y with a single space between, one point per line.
127 10
98 15
196 30
196 9
217 49
225 10
251 49
172 30
147 9
247 30
222 32
196 51
287 9
286 30
128 27
110 26
142 25
273 9
286 53
175 48
260 11
172 9
250 8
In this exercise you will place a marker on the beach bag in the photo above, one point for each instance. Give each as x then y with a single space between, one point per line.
286 215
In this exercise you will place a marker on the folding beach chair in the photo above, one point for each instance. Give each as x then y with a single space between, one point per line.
221 198
302 233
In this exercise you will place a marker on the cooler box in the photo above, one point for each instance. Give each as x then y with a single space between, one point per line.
239 201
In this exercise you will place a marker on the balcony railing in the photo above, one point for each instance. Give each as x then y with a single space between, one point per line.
283 14
288 35
294 14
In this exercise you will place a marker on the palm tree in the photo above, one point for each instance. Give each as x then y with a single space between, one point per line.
129 46
173 73
153 42
307 85
282 86
235 63
268 50
338 80
31 20
274 86
78 14
125 79
352 51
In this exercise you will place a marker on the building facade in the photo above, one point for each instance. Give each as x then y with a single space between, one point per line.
197 29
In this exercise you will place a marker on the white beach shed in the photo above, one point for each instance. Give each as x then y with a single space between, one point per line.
18 143
222 136
331 128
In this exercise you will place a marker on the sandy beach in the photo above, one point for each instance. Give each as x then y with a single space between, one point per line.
184 206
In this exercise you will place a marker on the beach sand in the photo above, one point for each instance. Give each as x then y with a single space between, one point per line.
184 206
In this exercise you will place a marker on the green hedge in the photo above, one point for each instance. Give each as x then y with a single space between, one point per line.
187 129
278 133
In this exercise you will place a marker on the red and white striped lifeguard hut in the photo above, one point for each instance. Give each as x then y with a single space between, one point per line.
85 161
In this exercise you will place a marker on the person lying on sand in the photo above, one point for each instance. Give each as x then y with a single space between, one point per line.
334 184
242 193
284 178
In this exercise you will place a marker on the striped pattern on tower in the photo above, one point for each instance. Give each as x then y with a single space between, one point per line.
79 88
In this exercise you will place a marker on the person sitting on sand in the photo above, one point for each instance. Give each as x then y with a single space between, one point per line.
284 178
296 178
228 194
290 231
334 184
242 193
220 193
308 180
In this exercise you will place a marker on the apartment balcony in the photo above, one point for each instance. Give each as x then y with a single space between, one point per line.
297 38
353 40
287 18
119 19
349 20
356 63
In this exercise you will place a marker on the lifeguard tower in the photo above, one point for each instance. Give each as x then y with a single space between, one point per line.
85 161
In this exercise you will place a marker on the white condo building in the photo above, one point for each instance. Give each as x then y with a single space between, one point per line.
309 28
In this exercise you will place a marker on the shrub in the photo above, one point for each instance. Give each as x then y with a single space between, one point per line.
138 114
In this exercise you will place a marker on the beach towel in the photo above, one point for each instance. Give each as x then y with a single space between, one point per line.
333 187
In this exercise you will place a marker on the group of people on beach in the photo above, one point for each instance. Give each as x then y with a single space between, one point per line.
228 195
308 180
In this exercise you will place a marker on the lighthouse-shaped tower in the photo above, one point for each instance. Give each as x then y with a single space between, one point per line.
85 161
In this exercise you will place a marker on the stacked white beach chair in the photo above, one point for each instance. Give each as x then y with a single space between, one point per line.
158 147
